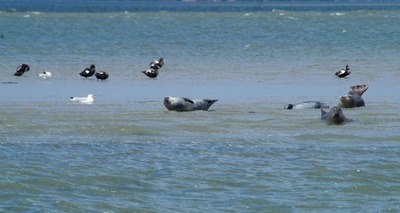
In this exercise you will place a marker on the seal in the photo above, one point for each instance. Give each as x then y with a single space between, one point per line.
353 99
334 116
343 72
186 104
101 75
87 72
21 69
307 105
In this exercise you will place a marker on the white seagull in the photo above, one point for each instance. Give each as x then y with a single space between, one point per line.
84 100
45 74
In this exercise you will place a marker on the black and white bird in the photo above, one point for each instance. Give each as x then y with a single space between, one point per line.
157 64
101 75
21 69
343 72
87 72
151 73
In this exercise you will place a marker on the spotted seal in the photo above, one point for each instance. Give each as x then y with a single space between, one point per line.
353 99
186 104
307 105
334 116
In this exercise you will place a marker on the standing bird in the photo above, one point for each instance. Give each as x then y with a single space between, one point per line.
151 73
157 64
101 75
343 72
21 69
87 72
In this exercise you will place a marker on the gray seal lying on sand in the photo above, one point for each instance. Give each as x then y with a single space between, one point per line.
334 116
186 104
353 99
307 105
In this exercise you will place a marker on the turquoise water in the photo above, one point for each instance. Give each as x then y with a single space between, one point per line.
127 153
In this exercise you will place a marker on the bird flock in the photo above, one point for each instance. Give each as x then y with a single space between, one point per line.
333 116
152 72
90 71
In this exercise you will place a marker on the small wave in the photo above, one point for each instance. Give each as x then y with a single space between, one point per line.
277 11
337 14
11 10
36 13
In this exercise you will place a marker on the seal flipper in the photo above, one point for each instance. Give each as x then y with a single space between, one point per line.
323 114
209 101
188 100
206 103
358 90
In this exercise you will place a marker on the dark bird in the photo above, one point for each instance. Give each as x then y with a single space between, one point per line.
151 73
21 69
157 64
101 75
87 72
343 72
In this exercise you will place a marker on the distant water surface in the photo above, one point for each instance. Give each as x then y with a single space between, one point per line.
126 152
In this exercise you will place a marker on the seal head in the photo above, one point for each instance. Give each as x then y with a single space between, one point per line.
334 116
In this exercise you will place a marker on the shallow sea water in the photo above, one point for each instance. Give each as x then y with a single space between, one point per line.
127 153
